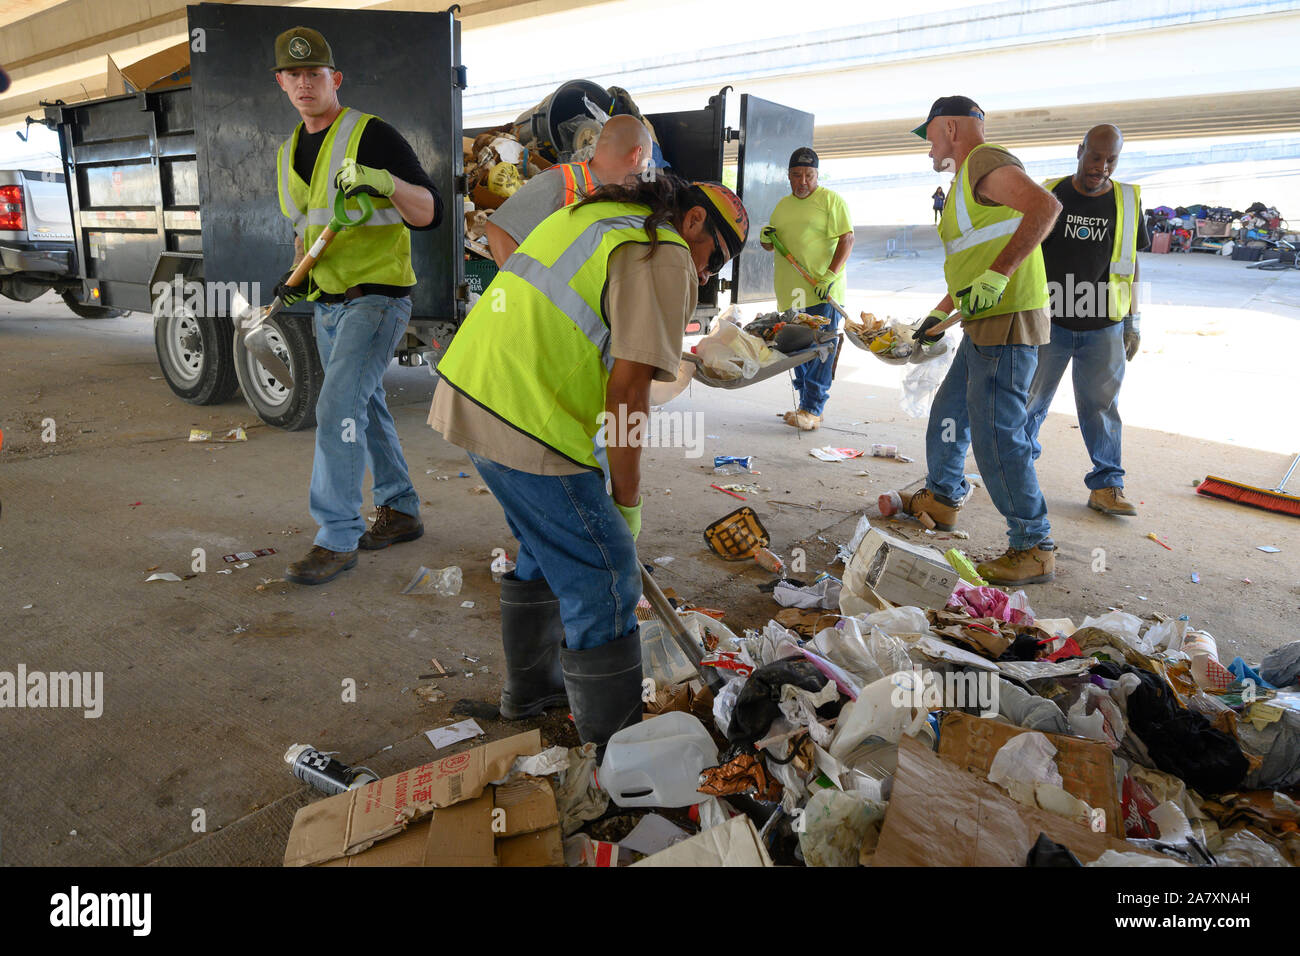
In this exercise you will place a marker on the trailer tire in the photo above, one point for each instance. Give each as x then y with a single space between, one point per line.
291 409
196 358
90 311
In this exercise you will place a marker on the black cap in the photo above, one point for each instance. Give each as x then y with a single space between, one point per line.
803 156
950 106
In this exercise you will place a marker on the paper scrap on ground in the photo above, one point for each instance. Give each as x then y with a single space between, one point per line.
162 576
652 834
453 733
1268 549
827 453
422 577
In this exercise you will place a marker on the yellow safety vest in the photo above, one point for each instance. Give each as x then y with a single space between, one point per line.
973 235
1123 253
377 252
535 349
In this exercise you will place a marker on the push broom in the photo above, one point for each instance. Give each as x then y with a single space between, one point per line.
1270 499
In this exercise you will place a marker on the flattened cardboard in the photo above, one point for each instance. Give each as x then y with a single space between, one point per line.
734 843
348 823
166 68
543 848
899 571
528 804
1087 767
942 815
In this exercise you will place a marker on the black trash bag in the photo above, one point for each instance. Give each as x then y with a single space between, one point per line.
1046 853
793 338
758 703
1180 741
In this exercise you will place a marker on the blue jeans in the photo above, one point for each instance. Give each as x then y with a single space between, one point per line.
813 379
354 429
1098 357
981 405
570 533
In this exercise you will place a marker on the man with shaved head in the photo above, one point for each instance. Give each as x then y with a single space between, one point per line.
623 150
1092 270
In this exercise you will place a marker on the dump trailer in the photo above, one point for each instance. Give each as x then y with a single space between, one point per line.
175 211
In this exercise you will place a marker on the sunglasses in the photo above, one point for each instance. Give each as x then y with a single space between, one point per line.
718 257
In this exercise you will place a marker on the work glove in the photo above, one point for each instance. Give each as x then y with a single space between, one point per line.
354 178
930 321
290 295
823 287
984 293
1132 337
632 516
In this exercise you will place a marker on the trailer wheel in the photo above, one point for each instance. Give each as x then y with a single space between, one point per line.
196 357
293 409
90 311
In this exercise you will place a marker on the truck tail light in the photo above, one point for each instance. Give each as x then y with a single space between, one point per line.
11 207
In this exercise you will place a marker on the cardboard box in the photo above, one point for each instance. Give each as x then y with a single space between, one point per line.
898 571
443 813
163 70
942 815
1087 767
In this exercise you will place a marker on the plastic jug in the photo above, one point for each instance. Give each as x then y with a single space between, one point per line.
1206 669
657 762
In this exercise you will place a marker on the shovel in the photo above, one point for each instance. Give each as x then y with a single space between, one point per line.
256 335
781 250
664 611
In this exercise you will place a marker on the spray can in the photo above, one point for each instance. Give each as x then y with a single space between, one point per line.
884 451
324 772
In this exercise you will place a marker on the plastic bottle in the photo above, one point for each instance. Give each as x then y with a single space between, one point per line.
657 762
769 560
447 581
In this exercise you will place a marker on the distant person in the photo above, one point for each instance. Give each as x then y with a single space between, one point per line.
814 225
938 204
623 150
1092 268
991 228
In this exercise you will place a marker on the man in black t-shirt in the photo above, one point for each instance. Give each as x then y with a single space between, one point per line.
1092 272
361 287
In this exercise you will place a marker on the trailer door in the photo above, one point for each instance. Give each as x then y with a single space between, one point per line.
769 133
403 67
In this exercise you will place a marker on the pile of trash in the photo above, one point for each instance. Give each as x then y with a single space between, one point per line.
857 725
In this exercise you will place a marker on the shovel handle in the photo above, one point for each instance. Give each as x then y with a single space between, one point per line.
338 222
779 246
665 612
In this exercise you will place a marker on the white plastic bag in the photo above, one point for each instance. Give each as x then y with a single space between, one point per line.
730 353
834 826
1022 763
921 381
1096 715
877 713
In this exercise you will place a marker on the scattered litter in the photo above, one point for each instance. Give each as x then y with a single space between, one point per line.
462 474
162 576
430 693
726 492
1268 549
1196 578
235 434
453 733
466 604
480 490
734 465
652 834
665 560
884 451
247 556
242 564
226 571
829 453
501 566
135 504
1152 536
268 583
466 657
27 607
752 489
444 582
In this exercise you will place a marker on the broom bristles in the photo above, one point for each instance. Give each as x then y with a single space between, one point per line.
1276 501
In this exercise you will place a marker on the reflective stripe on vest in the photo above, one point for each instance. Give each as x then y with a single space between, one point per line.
969 235
1123 252
571 184
378 251
535 350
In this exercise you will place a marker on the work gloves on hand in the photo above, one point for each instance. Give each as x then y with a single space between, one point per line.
984 293
1132 337
354 178
632 516
930 321
767 236
822 289
289 295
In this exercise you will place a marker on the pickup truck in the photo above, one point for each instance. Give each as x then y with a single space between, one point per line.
175 189
36 240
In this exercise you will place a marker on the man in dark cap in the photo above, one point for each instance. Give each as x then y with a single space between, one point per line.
362 290
813 224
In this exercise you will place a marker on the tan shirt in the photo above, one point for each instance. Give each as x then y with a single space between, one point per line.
647 304
1032 327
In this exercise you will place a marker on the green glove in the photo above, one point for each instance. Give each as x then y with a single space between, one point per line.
984 293
353 178
288 295
930 321
632 516
766 235
1132 337
823 287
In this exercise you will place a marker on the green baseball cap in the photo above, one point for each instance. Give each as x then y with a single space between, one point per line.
302 46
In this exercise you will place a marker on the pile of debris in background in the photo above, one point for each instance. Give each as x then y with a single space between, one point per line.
875 716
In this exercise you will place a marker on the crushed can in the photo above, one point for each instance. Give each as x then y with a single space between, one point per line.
324 772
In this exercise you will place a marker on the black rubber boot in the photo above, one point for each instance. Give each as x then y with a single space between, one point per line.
531 634
604 686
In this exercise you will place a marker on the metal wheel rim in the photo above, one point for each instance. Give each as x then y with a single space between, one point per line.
268 391
187 363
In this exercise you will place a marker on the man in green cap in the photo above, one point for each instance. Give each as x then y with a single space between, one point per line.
362 294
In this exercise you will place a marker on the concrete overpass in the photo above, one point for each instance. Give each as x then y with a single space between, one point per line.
1043 69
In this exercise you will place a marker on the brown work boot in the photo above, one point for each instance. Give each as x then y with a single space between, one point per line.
320 565
391 527
803 420
1020 567
1111 501
925 501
